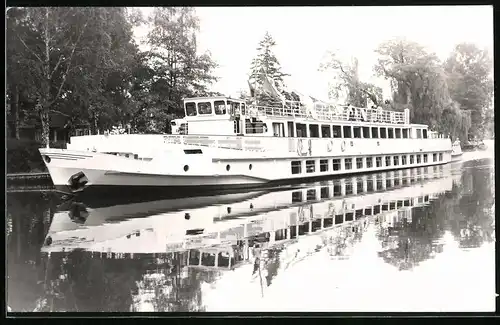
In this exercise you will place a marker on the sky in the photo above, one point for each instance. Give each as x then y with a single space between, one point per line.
303 36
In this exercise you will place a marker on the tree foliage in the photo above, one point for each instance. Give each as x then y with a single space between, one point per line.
471 84
346 81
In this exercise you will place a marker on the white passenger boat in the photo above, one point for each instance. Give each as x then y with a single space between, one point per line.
275 218
226 144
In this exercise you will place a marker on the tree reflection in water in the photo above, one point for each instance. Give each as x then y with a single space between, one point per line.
466 211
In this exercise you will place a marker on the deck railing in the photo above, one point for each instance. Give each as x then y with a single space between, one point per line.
332 113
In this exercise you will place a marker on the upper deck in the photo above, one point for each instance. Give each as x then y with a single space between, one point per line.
210 108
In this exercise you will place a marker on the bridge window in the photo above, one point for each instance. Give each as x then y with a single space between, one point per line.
326 131
347 132
313 131
357 132
419 133
387 160
441 157
378 161
434 157
419 159
337 131
383 133
403 160
425 158
205 108
366 132
220 107
396 160
405 133
424 133
359 163
398 133
190 109
374 132
412 159
390 132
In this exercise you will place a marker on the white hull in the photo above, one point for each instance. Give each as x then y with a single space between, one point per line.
225 168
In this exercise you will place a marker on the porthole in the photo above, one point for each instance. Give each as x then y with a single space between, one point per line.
187 216
228 167
250 167
251 206
228 210
47 159
186 168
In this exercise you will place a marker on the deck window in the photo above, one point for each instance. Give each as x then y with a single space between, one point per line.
297 196
383 133
348 163
348 188
419 159
405 133
403 160
434 157
441 156
387 160
359 163
337 189
336 164
398 133
396 160
378 161
301 130
347 131
190 109
376 209
374 132
323 165
357 132
325 192
311 195
425 158
419 133
359 186
296 167
412 159
205 108
369 162
220 107
337 131
379 182
424 133
366 132
310 166
369 185
390 133
313 131
326 131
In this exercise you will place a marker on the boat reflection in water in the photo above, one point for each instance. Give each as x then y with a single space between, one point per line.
184 242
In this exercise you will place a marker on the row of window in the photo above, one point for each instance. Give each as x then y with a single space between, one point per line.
219 107
362 162
359 132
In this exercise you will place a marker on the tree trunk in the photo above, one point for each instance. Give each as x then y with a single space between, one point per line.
15 106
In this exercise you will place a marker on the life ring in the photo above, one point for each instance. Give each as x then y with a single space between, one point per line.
342 146
329 146
299 147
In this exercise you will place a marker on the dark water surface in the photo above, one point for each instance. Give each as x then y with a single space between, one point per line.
413 240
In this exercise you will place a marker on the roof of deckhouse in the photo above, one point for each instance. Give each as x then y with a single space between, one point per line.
213 97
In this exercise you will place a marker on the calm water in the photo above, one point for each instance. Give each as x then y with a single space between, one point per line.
414 240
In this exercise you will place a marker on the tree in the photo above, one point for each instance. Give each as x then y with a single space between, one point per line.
471 84
178 70
69 55
265 64
346 80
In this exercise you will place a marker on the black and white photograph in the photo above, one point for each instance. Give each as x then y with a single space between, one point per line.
250 159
